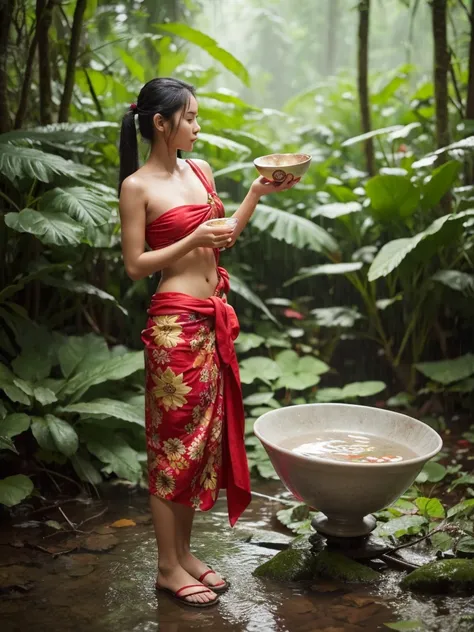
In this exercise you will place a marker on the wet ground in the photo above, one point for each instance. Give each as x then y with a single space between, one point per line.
103 580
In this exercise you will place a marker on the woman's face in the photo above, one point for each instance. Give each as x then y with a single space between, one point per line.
186 128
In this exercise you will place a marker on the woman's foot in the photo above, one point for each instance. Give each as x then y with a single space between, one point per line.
196 568
175 578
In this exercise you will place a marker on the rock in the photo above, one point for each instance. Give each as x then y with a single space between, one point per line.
359 601
443 576
15 577
325 587
299 562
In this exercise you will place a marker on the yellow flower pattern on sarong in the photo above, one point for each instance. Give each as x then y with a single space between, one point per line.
170 389
166 331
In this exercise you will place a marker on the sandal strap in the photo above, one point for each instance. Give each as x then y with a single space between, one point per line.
206 574
193 593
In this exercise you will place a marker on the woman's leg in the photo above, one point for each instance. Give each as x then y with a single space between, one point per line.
188 561
171 573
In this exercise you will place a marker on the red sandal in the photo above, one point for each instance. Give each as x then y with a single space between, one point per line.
221 587
183 599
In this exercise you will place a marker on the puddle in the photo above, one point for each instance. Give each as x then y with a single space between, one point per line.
112 590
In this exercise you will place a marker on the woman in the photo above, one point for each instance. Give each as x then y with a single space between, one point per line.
194 413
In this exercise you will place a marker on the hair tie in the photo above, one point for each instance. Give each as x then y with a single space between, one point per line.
133 107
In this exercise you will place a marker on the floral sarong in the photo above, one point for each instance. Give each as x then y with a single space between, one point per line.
194 412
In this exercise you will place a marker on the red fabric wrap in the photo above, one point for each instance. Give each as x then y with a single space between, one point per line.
194 412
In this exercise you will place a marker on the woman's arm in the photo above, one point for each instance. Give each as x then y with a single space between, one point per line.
140 264
258 189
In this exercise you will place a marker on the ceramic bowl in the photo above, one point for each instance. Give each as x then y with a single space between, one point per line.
276 167
346 493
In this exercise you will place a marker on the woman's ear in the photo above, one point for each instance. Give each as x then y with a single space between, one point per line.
159 123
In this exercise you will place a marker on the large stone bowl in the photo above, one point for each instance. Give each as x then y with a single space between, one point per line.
346 493
277 167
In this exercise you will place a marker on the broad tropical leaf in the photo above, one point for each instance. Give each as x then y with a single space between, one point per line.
233 168
111 449
55 434
337 209
241 288
456 280
350 391
448 371
372 134
80 354
293 229
14 489
258 367
224 143
26 162
113 369
59 133
14 424
336 316
392 197
108 408
394 252
440 183
50 228
210 46
82 204
326 268
80 287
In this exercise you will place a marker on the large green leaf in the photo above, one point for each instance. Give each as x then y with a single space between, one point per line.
59 133
456 280
233 168
14 489
350 391
394 252
326 268
337 209
114 451
223 142
10 388
299 373
81 287
258 367
211 47
376 132
85 470
440 183
108 408
242 289
82 353
55 434
14 424
448 371
80 203
135 68
23 280
113 369
398 527
20 162
336 316
392 197
293 229
51 228
7 444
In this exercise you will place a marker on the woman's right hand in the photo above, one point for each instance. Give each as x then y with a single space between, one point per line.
212 236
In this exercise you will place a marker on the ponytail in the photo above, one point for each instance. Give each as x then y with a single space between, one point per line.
128 147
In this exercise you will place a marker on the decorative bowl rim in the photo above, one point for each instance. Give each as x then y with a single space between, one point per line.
307 158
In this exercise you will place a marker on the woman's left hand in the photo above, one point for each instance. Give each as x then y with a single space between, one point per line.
261 186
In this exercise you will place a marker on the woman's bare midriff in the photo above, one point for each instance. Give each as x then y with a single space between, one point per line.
194 274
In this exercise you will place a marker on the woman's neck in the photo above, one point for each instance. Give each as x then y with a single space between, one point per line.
163 158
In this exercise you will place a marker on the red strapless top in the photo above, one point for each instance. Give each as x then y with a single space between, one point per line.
179 221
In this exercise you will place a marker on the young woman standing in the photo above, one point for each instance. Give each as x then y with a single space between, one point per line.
194 412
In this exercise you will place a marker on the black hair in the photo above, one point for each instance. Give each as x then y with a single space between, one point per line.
163 95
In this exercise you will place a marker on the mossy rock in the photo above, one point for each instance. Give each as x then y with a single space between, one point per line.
297 564
443 576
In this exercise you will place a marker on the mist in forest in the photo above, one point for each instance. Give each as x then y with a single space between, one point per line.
292 47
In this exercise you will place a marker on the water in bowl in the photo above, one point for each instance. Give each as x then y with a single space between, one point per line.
349 447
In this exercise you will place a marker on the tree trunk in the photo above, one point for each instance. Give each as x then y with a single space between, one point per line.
6 14
363 72
71 61
469 172
333 14
44 17
441 69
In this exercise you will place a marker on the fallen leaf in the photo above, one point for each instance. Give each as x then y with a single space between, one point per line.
100 542
124 522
